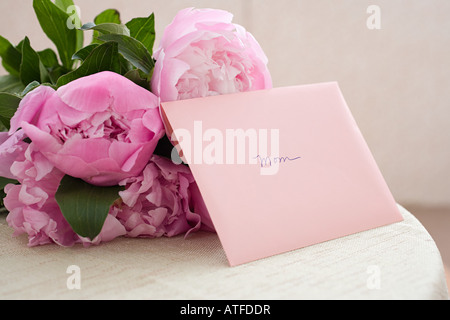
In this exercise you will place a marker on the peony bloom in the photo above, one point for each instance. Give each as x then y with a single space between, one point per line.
101 128
33 209
161 202
202 53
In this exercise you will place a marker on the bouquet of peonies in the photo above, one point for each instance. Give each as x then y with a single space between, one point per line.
83 150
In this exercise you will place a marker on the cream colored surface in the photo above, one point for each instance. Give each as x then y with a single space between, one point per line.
399 261
396 80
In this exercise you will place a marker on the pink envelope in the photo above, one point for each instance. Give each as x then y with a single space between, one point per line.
280 169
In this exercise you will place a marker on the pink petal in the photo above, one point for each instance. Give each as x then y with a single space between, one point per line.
126 155
11 147
100 91
111 229
35 218
43 140
42 165
70 116
30 107
89 150
139 133
171 71
156 217
185 22
130 195
129 97
152 121
155 82
72 165
88 94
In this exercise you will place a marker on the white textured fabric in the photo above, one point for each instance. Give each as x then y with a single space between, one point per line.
399 261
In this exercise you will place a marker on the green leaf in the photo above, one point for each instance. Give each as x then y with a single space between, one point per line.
8 106
133 50
48 58
30 87
125 65
74 18
11 84
4 128
50 62
11 57
31 68
107 28
107 16
64 4
56 73
56 25
103 58
135 76
143 30
5 181
84 52
19 47
84 206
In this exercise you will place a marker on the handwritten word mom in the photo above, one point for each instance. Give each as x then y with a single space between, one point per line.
268 162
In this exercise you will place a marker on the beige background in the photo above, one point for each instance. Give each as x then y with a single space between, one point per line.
396 80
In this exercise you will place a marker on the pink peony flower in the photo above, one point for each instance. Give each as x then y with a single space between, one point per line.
33 209
11 146
101 128
162 202
202 53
